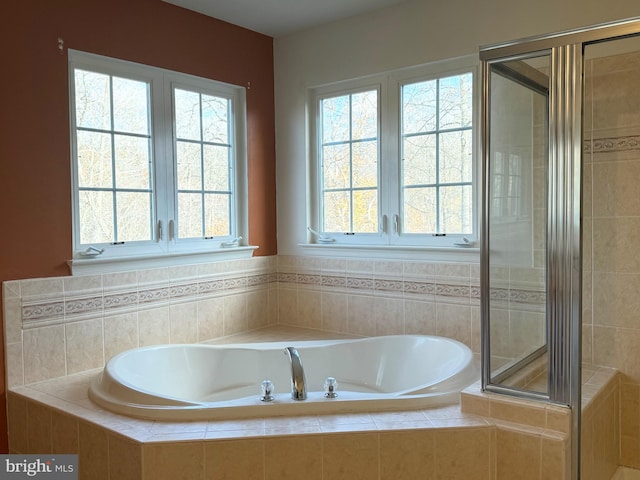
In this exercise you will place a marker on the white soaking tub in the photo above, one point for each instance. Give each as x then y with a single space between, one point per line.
201 382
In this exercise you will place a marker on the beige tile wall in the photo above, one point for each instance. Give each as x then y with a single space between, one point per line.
61 326
601 424
533 437
508 410
449 446
375 297
442 443
66 325
611 232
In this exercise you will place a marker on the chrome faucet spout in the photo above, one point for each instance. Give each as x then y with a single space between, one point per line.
298 382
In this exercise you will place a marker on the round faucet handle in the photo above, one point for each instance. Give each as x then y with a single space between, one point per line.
330 387
267 390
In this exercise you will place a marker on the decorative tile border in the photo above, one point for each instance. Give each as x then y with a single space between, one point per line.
118 300
530 297
384 286
52 312
309 279
527 296
392 286
381 284
357 283
37 312
153 295
212 286
360 283
334 281
32 313
612 144
261 279
82 305
420 288
290 277
185 290
235 283
453 290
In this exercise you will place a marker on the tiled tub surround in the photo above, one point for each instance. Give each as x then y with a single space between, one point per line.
439 443
601 425
491 437
488 439
368 298
602 421
66 325
60 331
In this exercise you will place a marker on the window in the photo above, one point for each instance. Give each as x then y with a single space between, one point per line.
393 158
349 152
204 171
436 155
158 160
113 161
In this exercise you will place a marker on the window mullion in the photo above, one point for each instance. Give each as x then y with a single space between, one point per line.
163 145
231 185
390 156
438 132
113 161
351 196
152 185
202 196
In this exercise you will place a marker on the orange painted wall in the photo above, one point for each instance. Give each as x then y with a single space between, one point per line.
35 190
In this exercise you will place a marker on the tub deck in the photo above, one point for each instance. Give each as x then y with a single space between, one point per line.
452 442
69 395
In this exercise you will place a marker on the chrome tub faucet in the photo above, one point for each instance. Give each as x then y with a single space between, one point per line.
298 382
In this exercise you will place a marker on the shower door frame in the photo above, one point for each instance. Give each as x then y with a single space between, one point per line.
564 216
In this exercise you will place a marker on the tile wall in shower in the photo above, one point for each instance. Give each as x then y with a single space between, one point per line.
611 226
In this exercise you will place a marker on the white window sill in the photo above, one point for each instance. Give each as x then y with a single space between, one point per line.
401 252
98 265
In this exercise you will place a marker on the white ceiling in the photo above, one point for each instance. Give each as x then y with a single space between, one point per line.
280 17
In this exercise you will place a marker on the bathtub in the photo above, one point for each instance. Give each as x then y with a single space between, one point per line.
207 382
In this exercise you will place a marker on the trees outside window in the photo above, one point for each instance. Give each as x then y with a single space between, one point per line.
394 158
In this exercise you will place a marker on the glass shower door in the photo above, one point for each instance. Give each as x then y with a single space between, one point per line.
516 219
586 248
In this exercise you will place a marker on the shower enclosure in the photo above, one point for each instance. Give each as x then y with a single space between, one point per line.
538 260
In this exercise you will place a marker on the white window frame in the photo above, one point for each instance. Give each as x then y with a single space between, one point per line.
389 86
164 248
344 88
